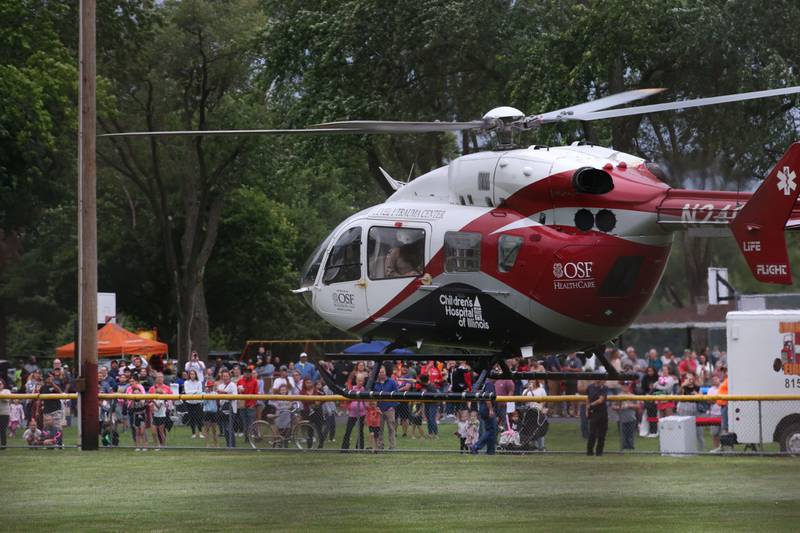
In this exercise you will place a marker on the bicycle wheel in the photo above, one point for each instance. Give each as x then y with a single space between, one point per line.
305 436
262 436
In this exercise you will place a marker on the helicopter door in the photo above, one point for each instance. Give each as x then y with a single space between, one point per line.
341 298
396 256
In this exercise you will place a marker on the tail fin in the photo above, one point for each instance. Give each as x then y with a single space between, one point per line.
759 226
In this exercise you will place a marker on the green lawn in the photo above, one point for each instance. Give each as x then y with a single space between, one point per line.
564 435
122 490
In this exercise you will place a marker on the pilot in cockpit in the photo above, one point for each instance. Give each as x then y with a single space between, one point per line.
405 258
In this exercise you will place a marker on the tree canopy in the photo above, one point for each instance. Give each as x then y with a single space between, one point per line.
204 237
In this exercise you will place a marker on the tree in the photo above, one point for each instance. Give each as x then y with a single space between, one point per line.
202 83
37 121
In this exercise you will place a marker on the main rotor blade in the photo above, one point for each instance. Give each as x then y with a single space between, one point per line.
390 126
185 133
683 104
595 105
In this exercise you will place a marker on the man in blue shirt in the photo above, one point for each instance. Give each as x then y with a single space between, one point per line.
386 384
307 370
488 412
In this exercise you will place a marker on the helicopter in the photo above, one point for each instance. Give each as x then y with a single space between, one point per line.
525 250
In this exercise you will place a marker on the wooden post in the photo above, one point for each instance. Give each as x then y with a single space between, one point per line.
87 230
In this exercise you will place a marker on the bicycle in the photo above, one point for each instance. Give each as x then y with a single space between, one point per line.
264 434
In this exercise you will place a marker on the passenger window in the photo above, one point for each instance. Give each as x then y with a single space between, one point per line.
344 261
395 252
462 251
507 250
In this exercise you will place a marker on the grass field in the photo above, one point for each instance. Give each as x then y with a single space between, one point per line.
122 490
563 435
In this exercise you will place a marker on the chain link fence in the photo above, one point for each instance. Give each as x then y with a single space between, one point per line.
517 424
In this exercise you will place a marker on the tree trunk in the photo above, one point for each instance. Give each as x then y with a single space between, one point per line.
198 332
185 301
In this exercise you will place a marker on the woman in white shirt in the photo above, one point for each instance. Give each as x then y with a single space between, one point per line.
193 385
536 389
227 408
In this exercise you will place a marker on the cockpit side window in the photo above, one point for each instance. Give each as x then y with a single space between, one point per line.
507 251
395 252
344 261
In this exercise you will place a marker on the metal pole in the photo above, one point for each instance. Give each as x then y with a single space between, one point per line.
760 429
87 230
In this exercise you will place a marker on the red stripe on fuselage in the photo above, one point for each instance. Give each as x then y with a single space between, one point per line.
634 189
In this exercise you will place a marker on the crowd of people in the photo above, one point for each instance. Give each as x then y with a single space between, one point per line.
376 425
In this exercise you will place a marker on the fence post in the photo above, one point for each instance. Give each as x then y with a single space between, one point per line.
760 429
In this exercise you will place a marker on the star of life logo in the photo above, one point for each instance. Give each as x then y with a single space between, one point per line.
786 183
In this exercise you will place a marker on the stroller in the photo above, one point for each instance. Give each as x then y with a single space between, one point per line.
523 430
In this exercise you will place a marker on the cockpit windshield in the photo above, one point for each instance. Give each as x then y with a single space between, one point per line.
309 273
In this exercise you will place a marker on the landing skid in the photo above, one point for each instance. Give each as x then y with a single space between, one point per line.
484 365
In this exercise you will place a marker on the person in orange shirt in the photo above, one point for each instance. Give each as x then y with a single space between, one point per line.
723 391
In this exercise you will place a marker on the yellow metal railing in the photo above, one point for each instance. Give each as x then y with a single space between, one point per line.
335 398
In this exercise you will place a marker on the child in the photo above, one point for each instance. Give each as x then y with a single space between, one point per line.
51 434
16 417
32 435
510 437
210 416
461 431
110 434
374 424
328 415
416 421
283 416
473 430
356 411
139 413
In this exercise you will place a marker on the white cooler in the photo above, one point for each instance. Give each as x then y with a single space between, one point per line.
677 435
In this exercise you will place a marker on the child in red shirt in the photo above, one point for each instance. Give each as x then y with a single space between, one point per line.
374 424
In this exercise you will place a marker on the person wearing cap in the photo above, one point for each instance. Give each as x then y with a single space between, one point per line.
307 370
283 379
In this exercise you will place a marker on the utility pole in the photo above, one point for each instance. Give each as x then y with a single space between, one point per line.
87 230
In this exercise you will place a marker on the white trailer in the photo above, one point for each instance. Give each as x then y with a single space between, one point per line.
763 351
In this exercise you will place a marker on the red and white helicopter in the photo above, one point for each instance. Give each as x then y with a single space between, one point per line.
527 250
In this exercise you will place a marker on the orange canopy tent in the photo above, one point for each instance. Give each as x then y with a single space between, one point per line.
113 339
